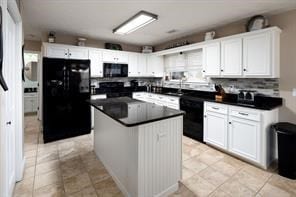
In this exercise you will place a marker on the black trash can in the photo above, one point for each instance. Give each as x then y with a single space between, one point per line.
286 134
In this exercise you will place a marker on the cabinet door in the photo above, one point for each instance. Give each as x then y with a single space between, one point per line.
78 53
96 63
257 55
231 57
34 104
28 105
142 65
132 64
215 129
121 57
211 59
108 56
244 138
56 51
155 66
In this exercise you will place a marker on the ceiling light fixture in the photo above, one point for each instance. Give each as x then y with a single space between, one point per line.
137 21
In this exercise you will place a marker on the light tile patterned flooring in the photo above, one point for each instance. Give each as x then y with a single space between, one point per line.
70 168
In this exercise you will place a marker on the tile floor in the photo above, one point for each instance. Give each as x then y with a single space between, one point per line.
70 168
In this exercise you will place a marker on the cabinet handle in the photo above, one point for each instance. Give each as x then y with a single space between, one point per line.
245 70
8 123
229 122
66 53
205 116
244 114
222 70
216 108
203 71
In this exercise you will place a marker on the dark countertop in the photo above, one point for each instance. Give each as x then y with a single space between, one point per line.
261 102
131 112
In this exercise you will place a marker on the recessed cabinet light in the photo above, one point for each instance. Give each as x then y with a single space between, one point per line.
137 21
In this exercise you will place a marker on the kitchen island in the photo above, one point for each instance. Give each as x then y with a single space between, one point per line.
140 144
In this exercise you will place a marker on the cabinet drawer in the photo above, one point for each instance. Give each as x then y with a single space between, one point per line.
245 113
218 108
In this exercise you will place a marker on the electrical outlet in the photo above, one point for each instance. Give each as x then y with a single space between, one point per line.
294 92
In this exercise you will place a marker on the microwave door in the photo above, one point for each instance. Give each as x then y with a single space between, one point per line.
2 81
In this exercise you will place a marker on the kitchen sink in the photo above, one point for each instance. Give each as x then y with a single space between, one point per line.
175 93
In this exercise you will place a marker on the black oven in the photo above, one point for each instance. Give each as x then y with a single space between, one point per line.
115 70
193 119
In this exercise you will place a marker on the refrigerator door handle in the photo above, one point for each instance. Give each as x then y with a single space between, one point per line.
2 81
23 61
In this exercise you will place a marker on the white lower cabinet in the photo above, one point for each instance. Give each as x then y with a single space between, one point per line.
216 133
94 97
96 63
244 138
30 102
241 131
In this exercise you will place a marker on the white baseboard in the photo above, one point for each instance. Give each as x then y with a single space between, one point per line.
116 180
168 191
20 171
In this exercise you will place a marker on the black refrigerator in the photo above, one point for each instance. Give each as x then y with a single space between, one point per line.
66 90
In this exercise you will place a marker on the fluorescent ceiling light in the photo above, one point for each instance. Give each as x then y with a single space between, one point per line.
139 20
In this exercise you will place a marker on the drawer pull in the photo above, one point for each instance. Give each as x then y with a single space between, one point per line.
244 114
172 100
216 108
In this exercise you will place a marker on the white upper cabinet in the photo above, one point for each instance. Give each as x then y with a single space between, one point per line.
56 51
155 66
115 56
96 63
77 53
211 59
231 57
257 55
248 55
142 65
132 64
65 51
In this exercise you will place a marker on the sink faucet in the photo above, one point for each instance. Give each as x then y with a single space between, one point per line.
180 87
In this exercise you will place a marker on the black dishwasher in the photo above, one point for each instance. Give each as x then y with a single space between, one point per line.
193 119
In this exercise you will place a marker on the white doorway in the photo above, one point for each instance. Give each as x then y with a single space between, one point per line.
11 101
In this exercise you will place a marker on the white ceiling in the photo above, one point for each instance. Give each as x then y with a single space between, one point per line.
96 18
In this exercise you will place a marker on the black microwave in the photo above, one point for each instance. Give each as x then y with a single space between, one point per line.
115 70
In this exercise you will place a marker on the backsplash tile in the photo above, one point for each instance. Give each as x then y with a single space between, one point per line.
268 87
142 81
